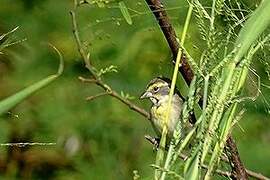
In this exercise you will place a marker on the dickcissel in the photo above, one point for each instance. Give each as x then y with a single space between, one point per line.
158 91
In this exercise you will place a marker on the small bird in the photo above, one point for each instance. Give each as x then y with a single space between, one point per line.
158 91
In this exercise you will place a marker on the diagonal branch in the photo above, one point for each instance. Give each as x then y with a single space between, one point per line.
96 78
109 91
164 23
238 170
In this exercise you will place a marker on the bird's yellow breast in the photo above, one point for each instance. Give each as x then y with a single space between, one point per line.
159 116
159 113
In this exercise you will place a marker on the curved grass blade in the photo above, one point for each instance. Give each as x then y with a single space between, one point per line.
13 100
253 28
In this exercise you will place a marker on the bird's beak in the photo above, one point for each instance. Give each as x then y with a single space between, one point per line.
146 95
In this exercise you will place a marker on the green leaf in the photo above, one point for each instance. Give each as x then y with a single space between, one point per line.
124 11
191 169
253 28
11 101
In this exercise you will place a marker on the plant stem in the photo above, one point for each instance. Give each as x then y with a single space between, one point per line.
176 66
205 92
218 110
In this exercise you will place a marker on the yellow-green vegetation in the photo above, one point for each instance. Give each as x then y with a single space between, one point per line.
121 45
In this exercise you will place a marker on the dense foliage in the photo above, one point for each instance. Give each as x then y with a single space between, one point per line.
103 139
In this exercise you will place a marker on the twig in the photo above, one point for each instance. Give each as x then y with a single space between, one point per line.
96 79
90 98
158 10
108 91
85 80
27 144
81 48
131 105
256 175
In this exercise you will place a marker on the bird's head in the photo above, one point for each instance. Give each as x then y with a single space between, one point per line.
157 89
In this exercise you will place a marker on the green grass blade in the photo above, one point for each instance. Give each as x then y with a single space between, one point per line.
13 100
191 169
252 29
125 13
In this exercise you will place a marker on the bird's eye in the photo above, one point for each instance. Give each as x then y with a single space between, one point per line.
156 88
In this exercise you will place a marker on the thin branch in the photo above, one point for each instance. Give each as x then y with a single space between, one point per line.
96 79
131 105
256 175
27 144
108 91
90 98
81 48
85 80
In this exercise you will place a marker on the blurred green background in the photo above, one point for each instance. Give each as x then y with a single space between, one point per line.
101 139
